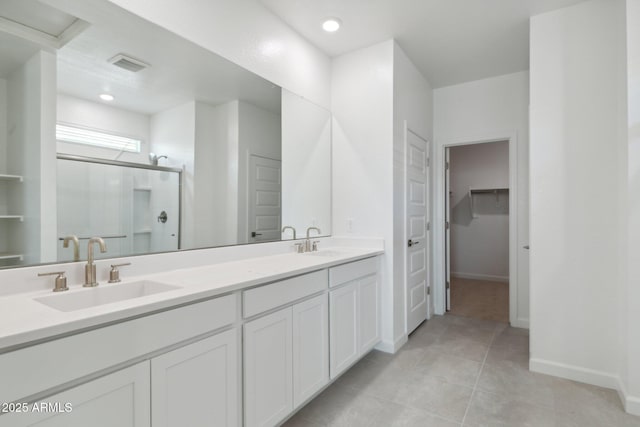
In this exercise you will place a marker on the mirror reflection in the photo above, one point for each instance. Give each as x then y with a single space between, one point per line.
111 126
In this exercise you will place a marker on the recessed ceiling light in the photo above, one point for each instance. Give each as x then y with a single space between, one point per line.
106 97
331 25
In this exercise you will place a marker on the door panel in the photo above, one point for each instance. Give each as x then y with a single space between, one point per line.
268 369
417 219
343 324
119 399
265 199
310 348
197 384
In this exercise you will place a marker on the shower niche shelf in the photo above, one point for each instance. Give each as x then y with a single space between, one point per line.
474 192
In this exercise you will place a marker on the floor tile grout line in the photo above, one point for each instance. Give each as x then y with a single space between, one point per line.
475 386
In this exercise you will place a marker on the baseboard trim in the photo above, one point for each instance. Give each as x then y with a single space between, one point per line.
521 323
631 403
392 347
575 373
486 277
588 376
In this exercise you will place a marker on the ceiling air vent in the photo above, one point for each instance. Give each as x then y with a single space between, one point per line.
128 63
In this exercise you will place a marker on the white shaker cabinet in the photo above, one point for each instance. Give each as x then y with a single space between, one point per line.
343 319
354 313
310 348
368 313
197 384
268 369
286 356
118 399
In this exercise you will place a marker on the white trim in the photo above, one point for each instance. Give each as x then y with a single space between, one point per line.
588 376
439 220
392 347
520 323
575 373
478 276
405 257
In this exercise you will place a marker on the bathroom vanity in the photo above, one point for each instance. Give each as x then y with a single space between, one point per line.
246 342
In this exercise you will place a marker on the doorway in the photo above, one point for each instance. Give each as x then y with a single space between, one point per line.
477 228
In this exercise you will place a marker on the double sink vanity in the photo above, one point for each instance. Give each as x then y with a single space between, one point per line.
245 342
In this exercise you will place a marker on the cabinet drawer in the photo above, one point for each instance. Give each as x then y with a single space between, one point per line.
263 298
44 366
354 270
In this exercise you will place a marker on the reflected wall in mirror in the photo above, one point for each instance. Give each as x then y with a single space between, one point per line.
107 121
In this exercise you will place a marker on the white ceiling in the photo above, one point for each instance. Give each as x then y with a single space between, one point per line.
180 71
451 41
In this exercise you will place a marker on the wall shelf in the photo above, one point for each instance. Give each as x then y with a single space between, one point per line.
5 177
8 255
18 217
487 190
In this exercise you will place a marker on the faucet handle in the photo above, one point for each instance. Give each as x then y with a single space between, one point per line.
299 248
314 246
61 280
114 274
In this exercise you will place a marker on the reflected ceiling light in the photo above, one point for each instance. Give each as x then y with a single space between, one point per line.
106 97
331 25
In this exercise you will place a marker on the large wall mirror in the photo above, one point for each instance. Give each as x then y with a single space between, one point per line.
111 126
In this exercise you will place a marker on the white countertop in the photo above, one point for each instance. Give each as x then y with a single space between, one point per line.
25 320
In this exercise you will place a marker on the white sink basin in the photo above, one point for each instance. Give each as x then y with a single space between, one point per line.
104 294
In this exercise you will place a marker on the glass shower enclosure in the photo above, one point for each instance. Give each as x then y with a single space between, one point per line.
134 207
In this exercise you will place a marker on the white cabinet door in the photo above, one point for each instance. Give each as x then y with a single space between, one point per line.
368 313
343 324
268 369
197 385
310 348
118 399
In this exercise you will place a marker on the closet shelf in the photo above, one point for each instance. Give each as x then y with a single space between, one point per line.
485 190
18 217
8 255
5 177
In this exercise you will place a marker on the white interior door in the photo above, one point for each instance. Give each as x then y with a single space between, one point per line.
417 223
265 199
447 228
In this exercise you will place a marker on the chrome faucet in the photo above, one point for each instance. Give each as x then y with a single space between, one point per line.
90 268
76 246
291 228
307 243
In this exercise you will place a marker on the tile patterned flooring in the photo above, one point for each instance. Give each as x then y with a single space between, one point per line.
480 299
457 371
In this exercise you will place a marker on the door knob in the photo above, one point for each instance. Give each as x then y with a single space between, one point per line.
254 234
410 243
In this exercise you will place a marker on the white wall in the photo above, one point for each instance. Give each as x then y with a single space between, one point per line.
374 91
172 133
245 32
362 130
3 127
413 103
480 243
216 168
31 152
306 165
577 72
630 371
98 116
485 109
